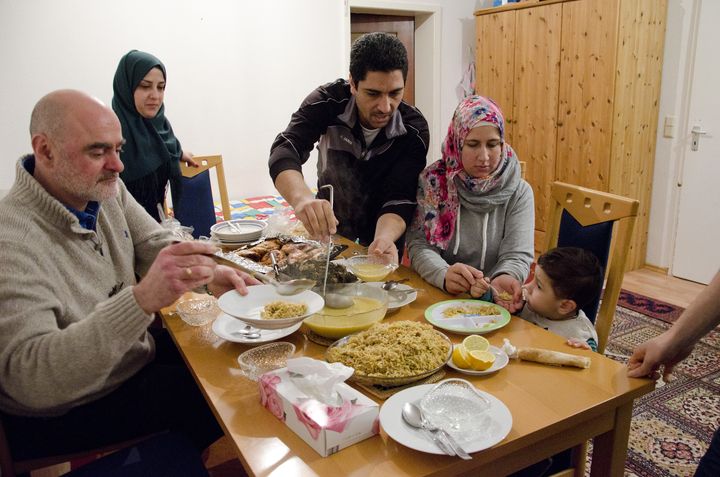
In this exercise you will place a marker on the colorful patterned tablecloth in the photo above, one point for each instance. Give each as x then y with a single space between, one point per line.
260 207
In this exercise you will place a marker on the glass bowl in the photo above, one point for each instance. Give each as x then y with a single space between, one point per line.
370 268
198 311
369 305
458 407
257 361
390 329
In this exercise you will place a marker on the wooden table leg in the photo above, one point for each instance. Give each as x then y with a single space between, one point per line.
610 448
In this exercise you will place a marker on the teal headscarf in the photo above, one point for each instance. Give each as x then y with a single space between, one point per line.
150 142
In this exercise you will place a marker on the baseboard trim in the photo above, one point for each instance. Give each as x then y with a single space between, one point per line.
653 268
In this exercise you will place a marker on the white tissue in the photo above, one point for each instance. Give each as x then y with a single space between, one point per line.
318 379
509 349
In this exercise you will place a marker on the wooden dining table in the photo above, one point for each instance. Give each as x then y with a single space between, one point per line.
553 408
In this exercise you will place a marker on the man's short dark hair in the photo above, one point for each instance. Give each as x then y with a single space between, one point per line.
377 52
576 274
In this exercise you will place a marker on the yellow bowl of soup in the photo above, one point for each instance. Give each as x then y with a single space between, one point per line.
369 305
370 268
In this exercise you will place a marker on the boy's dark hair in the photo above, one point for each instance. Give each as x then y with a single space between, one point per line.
576 274
377 52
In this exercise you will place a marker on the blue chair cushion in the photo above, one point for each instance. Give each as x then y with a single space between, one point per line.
196 207
594 238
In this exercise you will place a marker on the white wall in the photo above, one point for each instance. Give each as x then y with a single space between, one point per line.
236 69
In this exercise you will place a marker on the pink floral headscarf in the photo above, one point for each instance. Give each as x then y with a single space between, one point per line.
438 201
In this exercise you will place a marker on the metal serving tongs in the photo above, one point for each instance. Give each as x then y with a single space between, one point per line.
333 300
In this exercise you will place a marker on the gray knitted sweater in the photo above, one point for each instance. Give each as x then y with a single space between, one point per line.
70 328
494 234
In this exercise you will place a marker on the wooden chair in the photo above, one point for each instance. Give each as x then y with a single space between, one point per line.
602 223
197 207
10 467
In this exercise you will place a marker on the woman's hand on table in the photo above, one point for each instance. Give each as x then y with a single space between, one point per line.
506 284
460 278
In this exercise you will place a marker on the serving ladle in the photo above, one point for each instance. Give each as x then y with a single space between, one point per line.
333 300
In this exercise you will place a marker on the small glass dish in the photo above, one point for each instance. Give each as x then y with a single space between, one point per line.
370 268
456 406
198 311
257 361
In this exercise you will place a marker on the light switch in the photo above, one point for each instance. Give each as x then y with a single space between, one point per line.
669 129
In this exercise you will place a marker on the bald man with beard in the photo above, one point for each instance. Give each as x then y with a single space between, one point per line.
78 366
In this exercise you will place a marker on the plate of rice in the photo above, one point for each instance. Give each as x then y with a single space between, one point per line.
264 308
392 354
467 316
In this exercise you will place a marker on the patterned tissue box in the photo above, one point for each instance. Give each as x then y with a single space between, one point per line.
327 429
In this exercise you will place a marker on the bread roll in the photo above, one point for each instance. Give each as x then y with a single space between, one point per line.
546 356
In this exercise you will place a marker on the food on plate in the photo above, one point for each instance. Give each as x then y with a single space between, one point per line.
470 309
460 357
285 252
315 270
473 353
481 360
476 343
393 350
277 310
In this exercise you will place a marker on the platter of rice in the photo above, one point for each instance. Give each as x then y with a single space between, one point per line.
392 354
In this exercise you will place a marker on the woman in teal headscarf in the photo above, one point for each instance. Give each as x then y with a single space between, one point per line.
152 153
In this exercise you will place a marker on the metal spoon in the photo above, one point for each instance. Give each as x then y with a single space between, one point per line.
289 287
413 415
392 284
248 332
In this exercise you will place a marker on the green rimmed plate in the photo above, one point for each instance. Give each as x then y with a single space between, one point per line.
467 317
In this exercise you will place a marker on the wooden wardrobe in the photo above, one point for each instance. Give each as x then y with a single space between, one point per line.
579 84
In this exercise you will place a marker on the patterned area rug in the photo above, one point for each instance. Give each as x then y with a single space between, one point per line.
672 426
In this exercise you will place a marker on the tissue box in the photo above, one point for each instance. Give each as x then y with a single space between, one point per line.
326 428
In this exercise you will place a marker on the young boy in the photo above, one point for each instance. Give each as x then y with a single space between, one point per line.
566 279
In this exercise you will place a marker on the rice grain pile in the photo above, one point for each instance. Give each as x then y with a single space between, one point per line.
457 310
393 350
277 310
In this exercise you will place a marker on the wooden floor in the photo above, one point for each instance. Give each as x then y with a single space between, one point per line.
222 461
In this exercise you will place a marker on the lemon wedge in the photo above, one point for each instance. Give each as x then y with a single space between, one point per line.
475 343
481 360
460 357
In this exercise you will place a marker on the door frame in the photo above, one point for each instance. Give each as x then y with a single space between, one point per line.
428 23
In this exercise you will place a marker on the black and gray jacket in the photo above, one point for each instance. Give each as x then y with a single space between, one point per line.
369 180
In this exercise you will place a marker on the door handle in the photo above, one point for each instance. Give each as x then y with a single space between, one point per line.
696 132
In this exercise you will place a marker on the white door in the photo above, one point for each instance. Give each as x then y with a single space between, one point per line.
697 244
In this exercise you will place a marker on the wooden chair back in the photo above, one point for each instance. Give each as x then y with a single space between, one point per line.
602 223
197 208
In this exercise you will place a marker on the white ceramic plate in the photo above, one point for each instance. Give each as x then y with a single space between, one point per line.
499 422
225 327
501 360
466 324
248 307
244 230
396 300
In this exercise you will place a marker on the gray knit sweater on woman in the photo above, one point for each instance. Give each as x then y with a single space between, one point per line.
70 328
494 233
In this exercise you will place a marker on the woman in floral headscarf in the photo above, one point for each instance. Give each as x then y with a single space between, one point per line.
475 218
